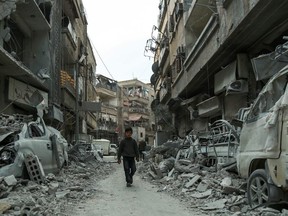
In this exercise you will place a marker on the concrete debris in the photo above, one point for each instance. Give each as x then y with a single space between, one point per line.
10 180
56 195
192 181
219 204
202 195
227 181
81 153
202 186
194 178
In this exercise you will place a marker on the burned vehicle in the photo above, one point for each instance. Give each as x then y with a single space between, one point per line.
23 137
263 149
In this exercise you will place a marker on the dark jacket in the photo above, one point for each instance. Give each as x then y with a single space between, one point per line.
142 145
128 148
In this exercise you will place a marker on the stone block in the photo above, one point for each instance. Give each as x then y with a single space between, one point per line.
10 180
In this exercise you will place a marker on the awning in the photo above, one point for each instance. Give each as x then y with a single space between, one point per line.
135 118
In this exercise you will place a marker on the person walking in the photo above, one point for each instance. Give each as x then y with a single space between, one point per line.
142 148
128 149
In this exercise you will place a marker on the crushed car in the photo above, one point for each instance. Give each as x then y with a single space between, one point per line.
24 137
262 156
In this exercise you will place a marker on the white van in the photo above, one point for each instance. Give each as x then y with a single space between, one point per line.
104 143
263 152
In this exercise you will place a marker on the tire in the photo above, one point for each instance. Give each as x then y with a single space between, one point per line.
258 189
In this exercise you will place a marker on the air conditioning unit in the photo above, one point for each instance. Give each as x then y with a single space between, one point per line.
237 87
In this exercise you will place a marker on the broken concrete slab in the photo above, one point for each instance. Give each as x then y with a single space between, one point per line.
10 180
202 195
62 194
187 175
219 204
202 187
192 181
156 170
53 186
171 172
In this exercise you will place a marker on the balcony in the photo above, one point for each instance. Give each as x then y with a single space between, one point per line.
108 109
138 110
105 91
162 13
141 100
199 8
11 67
163 56
209 107
30 14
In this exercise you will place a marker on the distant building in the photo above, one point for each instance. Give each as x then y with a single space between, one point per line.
136 109
108 95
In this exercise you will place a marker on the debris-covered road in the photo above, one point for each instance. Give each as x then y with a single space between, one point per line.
114 198
98 188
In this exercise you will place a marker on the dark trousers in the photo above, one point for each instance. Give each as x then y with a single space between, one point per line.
129 168
141 154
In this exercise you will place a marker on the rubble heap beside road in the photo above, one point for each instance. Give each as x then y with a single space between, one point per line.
212 190
58 195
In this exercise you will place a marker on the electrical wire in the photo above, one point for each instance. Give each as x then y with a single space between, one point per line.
101 60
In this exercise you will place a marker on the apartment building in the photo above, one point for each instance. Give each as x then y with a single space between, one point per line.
211 58
108 95
46 56
136 109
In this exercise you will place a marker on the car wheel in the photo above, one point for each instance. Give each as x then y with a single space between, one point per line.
258 192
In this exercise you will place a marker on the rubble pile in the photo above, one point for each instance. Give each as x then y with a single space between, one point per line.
57 195
13 122
188 177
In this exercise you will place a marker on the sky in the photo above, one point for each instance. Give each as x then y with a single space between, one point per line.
119 30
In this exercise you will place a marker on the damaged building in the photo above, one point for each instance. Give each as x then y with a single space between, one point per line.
136 99
212 58
108 119
45 55
220 74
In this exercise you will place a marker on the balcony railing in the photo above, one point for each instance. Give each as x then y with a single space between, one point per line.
138 110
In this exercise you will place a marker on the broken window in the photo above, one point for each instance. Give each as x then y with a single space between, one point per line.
268 97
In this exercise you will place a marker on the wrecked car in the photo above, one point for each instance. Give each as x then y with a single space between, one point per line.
263 148
22 137
223 143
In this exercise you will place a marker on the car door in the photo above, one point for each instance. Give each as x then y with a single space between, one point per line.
39 143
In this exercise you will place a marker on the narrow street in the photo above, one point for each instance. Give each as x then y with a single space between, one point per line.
114 198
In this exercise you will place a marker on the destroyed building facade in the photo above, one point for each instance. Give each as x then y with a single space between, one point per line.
136 98
212 58
45 54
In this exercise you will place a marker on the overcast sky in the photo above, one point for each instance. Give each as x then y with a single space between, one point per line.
119 31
